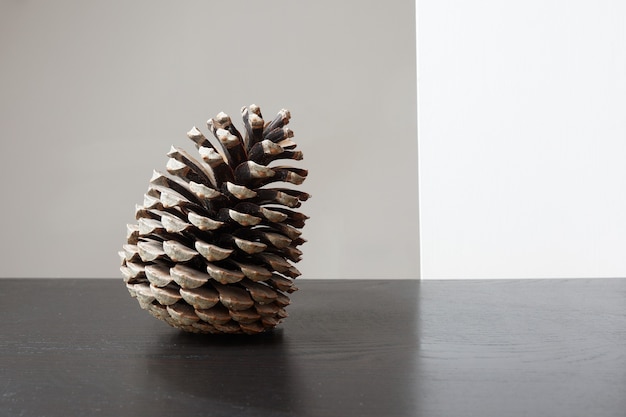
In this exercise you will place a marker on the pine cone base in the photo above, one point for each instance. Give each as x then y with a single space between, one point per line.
215 241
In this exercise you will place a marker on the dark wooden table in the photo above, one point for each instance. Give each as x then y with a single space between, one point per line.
350 348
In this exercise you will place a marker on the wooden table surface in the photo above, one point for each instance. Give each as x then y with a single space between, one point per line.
379 348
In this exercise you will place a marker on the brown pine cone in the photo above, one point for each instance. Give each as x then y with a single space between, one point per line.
216 237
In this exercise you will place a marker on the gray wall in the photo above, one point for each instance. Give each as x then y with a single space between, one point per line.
94 93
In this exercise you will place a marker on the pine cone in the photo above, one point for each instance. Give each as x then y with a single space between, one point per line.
213 248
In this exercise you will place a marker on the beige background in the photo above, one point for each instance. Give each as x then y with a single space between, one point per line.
94 93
